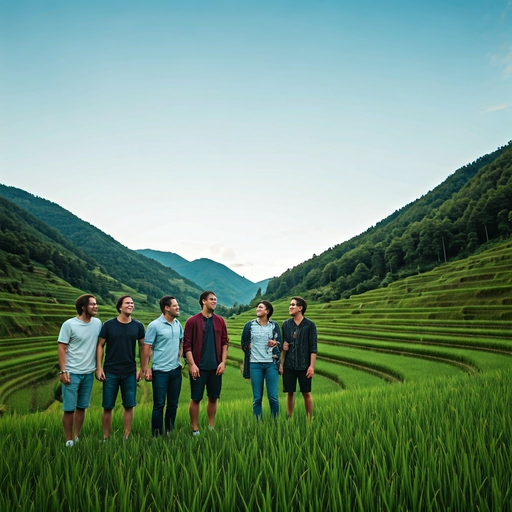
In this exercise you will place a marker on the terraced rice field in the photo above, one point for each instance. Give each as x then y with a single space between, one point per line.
457 318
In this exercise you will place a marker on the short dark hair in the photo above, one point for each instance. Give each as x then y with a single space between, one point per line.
166 301
301 302
82 302
269 307
204 296
119 302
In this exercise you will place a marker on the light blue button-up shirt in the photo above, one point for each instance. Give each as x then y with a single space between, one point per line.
165 338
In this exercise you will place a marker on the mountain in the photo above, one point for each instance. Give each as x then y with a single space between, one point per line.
229 286
143 275
27 242
470 208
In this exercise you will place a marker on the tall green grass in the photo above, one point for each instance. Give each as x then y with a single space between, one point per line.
439 444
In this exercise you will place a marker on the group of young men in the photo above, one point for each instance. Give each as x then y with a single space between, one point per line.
86 346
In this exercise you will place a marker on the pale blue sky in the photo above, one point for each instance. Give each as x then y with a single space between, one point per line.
254 133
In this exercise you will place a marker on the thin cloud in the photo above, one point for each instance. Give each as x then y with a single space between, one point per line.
504 60
495 108
505 11
221 252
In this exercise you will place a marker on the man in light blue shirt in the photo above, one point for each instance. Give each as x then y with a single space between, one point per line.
77 360
164 337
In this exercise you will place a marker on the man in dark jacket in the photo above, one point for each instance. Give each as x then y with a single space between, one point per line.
299 351
205 344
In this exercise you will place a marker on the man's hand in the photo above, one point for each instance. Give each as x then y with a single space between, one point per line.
100 374
310 372
194 371
221 368
64 378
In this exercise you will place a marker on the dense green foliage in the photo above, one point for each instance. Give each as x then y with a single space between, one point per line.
25 240
470 208
143 275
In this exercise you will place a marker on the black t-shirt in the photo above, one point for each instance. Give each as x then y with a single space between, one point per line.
208 352
121 340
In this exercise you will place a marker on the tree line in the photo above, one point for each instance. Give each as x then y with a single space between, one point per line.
472 207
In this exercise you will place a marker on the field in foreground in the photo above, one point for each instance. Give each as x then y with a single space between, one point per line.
395 438
439 444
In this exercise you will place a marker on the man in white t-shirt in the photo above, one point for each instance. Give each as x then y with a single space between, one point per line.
77 361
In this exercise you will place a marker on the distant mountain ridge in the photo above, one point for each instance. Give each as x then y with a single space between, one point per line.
229 286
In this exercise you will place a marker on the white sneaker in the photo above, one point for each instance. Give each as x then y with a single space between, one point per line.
211 427
195 432
69 443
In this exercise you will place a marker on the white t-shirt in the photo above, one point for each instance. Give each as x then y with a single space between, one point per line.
81 339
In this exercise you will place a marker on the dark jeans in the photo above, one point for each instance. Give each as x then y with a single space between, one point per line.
165 385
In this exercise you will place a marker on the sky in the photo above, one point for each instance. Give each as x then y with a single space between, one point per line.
254 133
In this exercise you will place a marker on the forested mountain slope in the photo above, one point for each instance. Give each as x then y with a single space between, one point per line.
144 275
468 209
25 241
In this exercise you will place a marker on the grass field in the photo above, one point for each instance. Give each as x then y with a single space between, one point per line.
442 444
412 398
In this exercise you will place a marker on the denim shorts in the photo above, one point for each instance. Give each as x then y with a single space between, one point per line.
290 378
111 385
208 379
77 394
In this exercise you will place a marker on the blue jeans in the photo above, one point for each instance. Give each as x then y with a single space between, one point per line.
260 373
166 385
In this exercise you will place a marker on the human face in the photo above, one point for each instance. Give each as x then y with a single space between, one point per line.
127 306
294 309
261 311
92 308
210 303
173 309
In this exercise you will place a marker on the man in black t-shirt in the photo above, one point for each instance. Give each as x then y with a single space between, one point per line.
120 336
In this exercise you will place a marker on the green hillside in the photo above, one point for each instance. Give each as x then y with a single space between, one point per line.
471 207
427 317
26 241
457 317
30 319
144 275
412 392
